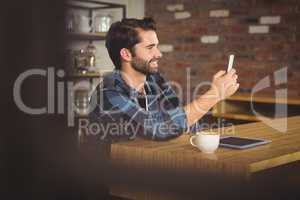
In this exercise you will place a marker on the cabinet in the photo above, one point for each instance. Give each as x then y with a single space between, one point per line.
80 29
91 7
242 107
83 13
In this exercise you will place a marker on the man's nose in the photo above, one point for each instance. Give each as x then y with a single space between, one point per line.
158 53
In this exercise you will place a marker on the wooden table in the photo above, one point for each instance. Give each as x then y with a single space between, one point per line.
178 154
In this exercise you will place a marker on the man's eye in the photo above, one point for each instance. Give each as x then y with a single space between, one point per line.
150 47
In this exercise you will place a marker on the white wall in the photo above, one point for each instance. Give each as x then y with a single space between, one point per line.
135 9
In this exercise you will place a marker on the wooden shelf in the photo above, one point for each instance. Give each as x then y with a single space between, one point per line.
89 74
81 115
87 36
237 116
86 75
263 98
241 107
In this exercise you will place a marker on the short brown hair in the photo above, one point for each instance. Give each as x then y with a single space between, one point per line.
124 34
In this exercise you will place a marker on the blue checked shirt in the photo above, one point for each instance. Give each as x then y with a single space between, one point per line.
120 111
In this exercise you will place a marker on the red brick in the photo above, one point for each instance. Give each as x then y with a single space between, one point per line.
182 65
281 9
257 55
265 56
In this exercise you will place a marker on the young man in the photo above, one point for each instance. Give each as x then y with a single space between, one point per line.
136 100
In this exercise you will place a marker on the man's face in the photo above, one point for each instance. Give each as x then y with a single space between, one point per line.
147 53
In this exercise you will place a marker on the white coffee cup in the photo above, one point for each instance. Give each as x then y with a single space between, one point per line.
207 142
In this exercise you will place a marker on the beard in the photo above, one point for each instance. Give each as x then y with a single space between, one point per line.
144 66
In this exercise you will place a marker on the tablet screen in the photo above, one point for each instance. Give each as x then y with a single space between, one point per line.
238 141
241 143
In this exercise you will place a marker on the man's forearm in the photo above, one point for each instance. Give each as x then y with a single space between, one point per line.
200 106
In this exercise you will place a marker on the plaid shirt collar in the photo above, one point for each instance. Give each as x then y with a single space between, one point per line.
121 86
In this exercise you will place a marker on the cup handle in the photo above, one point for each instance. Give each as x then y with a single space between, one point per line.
192 139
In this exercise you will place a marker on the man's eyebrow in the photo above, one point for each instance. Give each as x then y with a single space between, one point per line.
151 45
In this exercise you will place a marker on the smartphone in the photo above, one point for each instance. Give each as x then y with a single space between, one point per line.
230 63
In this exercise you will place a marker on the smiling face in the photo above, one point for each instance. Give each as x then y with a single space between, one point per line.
147 53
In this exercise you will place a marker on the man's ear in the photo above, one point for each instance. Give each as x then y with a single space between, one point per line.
126 54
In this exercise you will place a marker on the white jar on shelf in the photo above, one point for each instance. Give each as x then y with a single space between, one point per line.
102 22
82 24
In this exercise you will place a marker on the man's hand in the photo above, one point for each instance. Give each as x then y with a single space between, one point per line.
224 84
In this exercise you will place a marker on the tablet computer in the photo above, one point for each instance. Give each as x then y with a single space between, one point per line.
241 142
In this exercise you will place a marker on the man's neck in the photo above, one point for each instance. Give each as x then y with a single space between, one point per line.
133 78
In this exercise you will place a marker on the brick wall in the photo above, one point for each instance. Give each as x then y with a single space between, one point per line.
199 36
